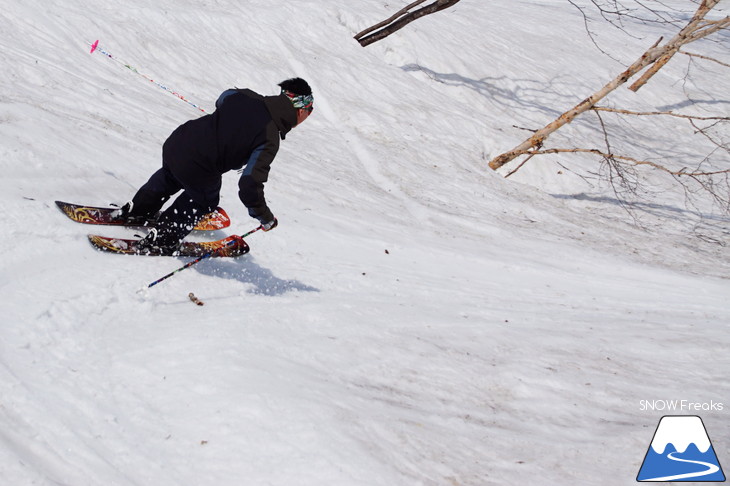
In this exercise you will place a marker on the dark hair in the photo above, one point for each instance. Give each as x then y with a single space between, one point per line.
296 86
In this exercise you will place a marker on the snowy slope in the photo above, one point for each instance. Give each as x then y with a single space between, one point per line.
415 319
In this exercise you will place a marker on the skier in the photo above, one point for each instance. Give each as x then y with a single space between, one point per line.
242 134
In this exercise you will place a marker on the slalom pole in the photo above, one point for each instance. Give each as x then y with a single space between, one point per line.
95 48
200 258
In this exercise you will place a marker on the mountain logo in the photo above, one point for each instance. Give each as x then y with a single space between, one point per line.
681 451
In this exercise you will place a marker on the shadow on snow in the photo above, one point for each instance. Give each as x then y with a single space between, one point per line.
246 270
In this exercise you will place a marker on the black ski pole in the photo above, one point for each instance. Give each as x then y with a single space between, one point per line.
200 258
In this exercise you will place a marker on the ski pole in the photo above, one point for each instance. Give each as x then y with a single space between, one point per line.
200 258
96 48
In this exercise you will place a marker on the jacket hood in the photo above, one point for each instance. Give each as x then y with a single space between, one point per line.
282 112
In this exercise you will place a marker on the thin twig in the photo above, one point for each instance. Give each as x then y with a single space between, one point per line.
652 113
681 172
692 54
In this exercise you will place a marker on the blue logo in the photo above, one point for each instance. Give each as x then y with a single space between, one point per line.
681 451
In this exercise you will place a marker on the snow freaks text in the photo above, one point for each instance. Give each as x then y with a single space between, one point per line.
680 406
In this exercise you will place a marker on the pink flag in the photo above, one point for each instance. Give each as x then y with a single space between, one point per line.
94 46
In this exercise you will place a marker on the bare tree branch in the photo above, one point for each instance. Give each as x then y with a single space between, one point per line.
690 54
654 113
653 54
696 29
400 20
631 160
389 20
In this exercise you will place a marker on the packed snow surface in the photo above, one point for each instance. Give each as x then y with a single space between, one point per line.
416 318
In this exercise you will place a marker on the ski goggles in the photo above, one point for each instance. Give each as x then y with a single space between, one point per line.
303 102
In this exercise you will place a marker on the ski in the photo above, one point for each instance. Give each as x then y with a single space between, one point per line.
231 246
216 220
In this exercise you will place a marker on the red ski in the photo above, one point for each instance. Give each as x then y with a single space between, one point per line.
231 246
216 220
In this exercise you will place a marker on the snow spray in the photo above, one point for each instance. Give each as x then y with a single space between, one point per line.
95 48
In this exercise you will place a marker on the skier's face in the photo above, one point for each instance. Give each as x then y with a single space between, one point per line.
302 115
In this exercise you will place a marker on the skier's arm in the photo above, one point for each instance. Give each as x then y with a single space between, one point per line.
255 174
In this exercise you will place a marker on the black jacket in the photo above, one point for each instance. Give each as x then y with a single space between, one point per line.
243 133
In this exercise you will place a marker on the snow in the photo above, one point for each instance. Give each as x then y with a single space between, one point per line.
415 319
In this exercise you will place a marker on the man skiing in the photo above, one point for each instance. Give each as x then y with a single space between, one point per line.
242 134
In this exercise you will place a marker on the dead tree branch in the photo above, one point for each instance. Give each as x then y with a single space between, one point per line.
665 113
400 19
630 160
697 28
706 58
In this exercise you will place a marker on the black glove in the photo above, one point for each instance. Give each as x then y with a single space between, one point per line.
269 225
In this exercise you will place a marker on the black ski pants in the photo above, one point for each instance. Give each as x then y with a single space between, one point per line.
200 196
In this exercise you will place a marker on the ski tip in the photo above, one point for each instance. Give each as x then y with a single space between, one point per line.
63 206
94 46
